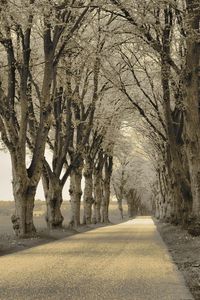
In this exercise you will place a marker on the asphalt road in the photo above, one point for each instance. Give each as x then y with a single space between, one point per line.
128 261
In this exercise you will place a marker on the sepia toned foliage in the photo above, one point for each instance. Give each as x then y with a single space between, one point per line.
73 73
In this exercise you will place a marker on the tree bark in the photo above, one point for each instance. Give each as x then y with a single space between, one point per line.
106 189
88 199
75 192
98 195
53 195
24 195
191 101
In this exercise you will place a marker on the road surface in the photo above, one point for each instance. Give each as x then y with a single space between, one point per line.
128 261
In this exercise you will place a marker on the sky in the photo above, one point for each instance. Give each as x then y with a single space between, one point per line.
6 180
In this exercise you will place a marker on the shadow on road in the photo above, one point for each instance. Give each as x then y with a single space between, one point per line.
45 236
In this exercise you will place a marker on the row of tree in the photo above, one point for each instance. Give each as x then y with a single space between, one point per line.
160 77
133 174
72 73
51 85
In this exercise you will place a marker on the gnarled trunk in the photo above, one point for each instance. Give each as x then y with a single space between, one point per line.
24 195
75 192
88 199
53 195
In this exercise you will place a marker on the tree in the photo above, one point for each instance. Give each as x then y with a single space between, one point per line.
19 104
153 26
191 105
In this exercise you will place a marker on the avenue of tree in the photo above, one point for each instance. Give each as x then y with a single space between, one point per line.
73 75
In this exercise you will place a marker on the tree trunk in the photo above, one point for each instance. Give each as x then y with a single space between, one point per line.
120 206
132 203
98 195
119 193
75 192
163 195
192 100
24 195
98 188
130 208
88 199
106 189
53 195
105 202
179 181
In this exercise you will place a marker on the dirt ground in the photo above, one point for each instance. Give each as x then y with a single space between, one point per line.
185 251
9 243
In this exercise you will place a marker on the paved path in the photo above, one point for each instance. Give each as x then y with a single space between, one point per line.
121 262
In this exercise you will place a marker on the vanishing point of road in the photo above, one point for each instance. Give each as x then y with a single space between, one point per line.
128 261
